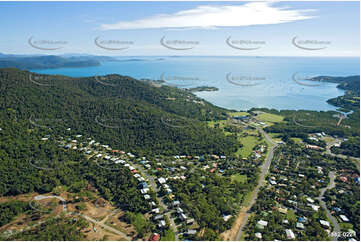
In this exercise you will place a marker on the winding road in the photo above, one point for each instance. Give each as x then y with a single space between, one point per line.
41 197
323 204
328 152
264 171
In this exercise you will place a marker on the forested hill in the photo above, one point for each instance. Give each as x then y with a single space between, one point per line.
349 83
45 62
116 110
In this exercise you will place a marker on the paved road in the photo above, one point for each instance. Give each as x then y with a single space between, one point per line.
323 204
357 160
165 207
264 171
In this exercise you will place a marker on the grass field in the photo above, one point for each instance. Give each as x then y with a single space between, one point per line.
291 215
239 178
233 114
267 117
297 140
248 143
329 139
221 123
274 135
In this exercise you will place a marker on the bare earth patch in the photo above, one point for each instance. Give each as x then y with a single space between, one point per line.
232 233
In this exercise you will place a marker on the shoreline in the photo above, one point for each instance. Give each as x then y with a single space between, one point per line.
212 89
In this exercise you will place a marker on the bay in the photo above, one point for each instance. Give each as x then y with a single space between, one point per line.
243 82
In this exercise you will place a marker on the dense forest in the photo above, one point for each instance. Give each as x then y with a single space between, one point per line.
350 83
9 210
120 111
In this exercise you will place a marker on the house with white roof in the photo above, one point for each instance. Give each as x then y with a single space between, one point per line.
191 231
176 203
300 226
262 223
155 210
160 216
324 223
183 216
144 190
190 221
290 234
227 217
258 235
162 223
273 182
344 218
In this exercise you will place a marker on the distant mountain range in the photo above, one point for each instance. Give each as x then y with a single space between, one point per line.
28 62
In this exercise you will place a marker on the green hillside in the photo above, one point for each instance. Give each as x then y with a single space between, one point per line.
117 110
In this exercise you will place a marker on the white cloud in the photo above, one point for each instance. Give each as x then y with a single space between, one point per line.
255 13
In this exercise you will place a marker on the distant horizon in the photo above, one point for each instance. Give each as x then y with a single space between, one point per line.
182 28
254 56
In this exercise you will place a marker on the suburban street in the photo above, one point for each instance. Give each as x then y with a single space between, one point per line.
328 152
165 207
323 204
264 171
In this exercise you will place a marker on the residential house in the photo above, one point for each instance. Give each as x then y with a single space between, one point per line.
191 232
162 224
183 216
190 221
154 237
176 203
258 235
227 217
324 223
300 226
290 234
262 223
161 180
157 217
155 210
344 218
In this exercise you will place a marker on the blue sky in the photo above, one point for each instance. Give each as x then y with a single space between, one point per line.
259 29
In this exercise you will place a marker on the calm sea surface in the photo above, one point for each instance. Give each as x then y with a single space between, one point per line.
243 82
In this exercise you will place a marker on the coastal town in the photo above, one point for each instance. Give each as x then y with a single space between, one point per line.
156 178
297 195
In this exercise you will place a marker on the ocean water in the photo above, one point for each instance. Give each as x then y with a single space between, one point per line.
243 82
